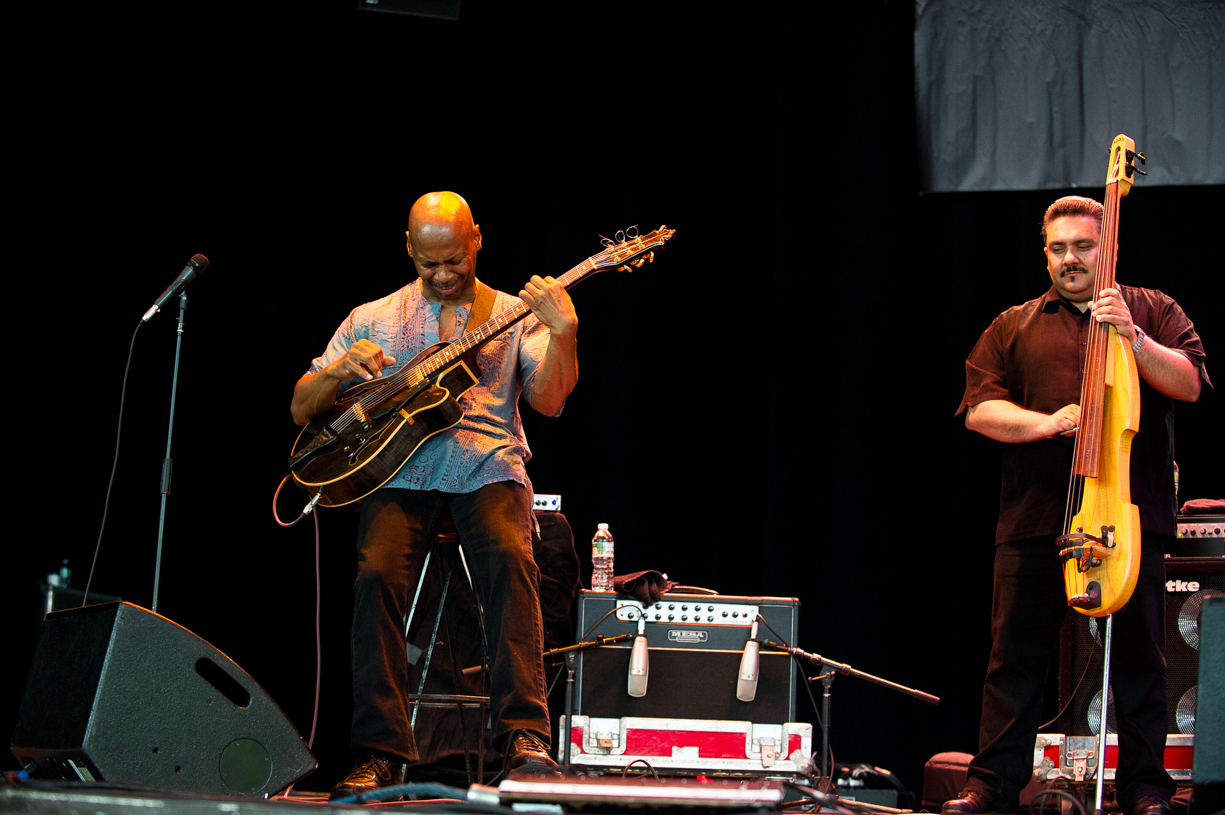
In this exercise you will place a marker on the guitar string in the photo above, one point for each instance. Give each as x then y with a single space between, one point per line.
455 350
436 362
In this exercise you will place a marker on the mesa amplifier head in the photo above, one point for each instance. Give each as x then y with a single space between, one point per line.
695 645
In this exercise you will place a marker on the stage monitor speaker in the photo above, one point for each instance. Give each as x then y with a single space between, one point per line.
1188 581
118 693
695 645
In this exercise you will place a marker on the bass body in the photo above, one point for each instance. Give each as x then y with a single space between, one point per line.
1100 547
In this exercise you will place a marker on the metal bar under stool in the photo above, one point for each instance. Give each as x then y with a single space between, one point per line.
444 700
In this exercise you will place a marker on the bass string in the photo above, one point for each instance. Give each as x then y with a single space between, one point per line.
1093 382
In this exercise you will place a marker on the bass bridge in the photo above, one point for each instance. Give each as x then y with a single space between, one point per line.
1087 550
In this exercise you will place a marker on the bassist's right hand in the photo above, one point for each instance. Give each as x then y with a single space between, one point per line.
365 359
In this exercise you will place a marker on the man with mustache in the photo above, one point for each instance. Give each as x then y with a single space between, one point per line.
474 469
1022 388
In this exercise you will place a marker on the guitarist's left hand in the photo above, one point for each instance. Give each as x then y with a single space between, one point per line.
551 304
558 372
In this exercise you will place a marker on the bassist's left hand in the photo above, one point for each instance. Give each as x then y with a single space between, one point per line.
551 304
1109 307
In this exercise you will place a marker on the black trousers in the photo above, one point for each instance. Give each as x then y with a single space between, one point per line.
1027 613
493 524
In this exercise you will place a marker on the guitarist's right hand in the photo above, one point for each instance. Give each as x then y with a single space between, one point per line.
316 392
365 359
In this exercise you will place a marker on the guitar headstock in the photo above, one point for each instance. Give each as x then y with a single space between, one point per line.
627 248
1122 165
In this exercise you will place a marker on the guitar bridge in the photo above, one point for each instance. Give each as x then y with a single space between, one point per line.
363 418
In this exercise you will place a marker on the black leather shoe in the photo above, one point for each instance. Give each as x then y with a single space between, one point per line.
526 753
968 803
1151 805
369 773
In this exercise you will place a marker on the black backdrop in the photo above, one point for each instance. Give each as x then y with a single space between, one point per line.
767 409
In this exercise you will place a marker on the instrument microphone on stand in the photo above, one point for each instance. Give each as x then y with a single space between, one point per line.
194 267
637 685
746 682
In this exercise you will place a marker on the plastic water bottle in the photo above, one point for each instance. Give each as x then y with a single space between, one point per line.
602 560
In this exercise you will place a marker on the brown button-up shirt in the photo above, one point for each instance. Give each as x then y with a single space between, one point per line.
1033 355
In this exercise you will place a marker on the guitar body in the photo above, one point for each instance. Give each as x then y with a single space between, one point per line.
360 460
1106 499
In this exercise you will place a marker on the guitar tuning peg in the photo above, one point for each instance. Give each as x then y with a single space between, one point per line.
1132 155
624 269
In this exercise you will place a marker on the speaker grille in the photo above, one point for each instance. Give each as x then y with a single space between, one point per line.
1188 580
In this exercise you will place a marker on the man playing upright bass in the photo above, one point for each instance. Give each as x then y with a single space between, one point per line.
475 470
1022 388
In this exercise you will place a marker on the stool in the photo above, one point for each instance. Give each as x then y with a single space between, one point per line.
446 538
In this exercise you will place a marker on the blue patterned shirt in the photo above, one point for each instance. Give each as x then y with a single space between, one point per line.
488 444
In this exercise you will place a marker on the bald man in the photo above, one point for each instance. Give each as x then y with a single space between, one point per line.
475 469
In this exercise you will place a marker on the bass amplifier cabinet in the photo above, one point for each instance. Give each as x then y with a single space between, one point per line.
695 643
1188 580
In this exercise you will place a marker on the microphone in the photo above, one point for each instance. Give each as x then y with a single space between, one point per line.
194 267
746 682
637 684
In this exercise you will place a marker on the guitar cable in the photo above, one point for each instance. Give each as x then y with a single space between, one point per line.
305 510
123 392
106 504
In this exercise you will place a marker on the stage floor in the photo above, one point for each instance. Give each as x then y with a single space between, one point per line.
576 793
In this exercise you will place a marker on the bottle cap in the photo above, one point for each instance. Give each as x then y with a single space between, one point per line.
601 526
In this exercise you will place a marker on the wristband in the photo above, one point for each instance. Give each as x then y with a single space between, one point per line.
1139 343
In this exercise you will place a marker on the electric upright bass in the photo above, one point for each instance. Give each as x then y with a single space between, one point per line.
1100 547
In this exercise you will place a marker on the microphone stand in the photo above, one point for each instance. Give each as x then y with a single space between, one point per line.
570 653
167 463
827 680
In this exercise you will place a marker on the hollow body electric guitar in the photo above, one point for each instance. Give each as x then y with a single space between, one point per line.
351 450
1100 547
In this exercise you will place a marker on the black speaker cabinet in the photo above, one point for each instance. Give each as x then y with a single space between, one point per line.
1209 769
695 645
118 693
1188 581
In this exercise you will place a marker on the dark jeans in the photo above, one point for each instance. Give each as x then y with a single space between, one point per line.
493 527
1027 613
